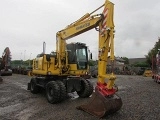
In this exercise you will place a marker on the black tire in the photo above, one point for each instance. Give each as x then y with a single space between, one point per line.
94 76
84 92
90 91
53 92
63 92
34 88
10 74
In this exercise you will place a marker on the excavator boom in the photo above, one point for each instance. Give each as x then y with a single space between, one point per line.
81 27
104 101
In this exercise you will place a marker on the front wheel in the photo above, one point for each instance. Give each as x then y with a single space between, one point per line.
63 92
90 91
86 89
53 92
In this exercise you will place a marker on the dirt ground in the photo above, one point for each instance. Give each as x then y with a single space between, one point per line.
140 96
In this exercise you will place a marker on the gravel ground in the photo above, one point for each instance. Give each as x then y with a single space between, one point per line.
140 96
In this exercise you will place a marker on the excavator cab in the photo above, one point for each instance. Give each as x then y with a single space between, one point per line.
78 54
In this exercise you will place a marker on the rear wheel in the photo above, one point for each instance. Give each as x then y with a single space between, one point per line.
86 89
53 92
95 76
34 88
63 92
90 91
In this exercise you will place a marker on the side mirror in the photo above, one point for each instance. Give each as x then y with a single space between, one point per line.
90 56
48 58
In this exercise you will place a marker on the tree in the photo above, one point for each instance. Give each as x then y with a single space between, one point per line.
141 64
92 62
152 53
126 60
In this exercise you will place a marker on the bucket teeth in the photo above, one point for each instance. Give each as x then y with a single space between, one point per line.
101 106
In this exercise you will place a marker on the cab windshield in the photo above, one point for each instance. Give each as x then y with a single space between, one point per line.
82 58
81 55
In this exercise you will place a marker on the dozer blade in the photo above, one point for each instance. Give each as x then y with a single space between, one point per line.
101 106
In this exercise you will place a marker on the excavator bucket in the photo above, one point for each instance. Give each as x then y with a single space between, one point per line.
101 106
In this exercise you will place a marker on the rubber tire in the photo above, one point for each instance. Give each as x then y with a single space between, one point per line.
53 87
63 91
85 89
10 74
94 76
34 88
90 87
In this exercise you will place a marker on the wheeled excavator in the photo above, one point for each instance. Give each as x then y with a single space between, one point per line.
58 73
5 61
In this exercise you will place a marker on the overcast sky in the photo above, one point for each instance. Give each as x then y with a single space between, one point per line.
25 24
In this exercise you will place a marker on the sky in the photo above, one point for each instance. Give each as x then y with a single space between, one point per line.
26 24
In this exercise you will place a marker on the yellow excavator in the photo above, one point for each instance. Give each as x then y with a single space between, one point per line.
58 73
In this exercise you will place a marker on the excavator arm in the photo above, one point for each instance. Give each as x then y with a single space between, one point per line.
84 24
105 25
81 27
104 101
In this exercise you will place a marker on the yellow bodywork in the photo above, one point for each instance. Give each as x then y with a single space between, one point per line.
43 67
106 47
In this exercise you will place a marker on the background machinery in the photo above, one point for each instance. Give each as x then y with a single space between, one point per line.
58 73
156 67
147 72
5 67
